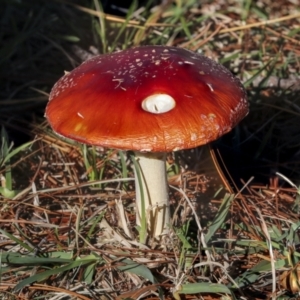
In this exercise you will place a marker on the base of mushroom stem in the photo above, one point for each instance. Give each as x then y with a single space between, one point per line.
155 189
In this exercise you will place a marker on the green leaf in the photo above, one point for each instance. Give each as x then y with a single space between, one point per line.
124 26
7 193
124 168
143 227
252 275
16 151
68 38
25 260
203 287
137 269
44 275
61 254
292 233
181 233
15 239
220 217
88 273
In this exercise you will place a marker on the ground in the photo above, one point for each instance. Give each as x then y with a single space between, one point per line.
67 225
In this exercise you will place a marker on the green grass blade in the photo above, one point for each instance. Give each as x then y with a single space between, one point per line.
16 151
25 260
252 275
137 269
220 217
203 287
5 149
84 149
143 229
7 193
101 26
89 273
124 168
46 274
15 239
124 25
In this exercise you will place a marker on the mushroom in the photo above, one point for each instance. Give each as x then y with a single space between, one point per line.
152 100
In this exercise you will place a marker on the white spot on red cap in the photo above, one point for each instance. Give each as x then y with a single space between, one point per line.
188 62
119 80
210 86
158 103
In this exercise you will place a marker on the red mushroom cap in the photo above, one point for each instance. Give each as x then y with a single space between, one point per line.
101 102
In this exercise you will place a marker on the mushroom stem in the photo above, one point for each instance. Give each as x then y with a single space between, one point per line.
154 187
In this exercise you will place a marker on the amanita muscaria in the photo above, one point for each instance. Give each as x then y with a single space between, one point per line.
150 99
